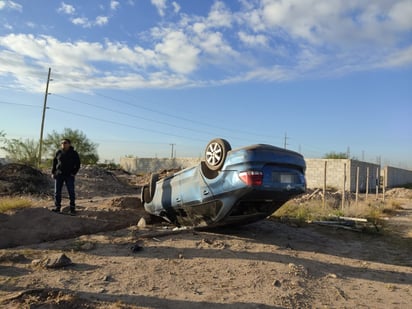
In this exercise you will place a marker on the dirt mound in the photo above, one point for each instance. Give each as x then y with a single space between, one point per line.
38 224
94 181
145 179
91 181
399 193
23 179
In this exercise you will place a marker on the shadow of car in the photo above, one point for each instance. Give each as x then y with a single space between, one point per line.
228 187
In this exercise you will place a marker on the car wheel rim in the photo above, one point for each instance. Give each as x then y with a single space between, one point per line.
214 154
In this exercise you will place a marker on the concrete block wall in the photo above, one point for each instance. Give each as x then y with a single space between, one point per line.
365 170
394 177
369 173
335 174
315 170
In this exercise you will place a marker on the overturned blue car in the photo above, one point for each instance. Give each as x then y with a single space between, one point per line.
228 186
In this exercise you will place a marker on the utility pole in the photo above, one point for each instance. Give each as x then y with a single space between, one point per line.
43 116
171 155
286 138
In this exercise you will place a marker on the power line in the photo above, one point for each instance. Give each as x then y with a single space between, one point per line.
19 104
208 125
108 121
131 115
121 124
159 112
191 130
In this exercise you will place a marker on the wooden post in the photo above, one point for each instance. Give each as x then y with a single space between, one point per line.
377 182
357 185
383 185
344 185
367 183
324 185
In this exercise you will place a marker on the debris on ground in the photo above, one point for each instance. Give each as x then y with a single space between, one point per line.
349 223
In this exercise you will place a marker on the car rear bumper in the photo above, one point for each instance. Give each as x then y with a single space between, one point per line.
253 204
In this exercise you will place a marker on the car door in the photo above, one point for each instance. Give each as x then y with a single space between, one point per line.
171 193
193 188
198 204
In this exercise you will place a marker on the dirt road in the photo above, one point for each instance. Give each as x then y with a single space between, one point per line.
268 264
263 265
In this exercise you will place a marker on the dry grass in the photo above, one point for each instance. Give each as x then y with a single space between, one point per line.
12 203
313 210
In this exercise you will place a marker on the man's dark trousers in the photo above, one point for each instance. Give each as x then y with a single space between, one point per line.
58 185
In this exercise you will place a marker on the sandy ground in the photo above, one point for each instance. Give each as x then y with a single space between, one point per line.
267 264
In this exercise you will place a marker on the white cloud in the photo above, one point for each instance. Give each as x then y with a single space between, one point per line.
219 16
306 20
266 40
252 40
101 20
401 14
10 5
343 24
24 45
25 76
77 63
84 21
114 5
399 58
176 7
199 27
66 9
81 21
254 19
213 43
179 54
160 6
31 24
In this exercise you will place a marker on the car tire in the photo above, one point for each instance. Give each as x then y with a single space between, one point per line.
208 173
215 153
152 185
144 194
149 191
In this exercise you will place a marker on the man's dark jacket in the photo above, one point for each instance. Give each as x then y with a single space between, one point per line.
66 163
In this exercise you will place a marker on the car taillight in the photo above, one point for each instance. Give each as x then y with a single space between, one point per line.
252 178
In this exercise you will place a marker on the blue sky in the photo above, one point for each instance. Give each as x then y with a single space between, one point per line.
137 76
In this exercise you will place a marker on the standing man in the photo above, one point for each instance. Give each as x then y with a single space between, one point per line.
66 164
